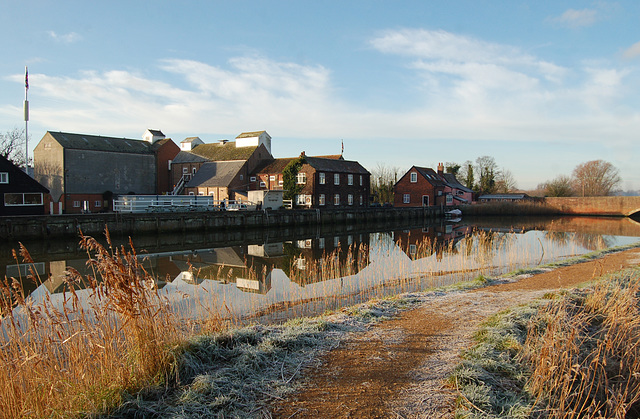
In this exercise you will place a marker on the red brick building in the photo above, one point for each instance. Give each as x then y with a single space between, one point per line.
423 186
326 182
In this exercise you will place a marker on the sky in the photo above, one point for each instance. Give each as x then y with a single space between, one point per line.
540 86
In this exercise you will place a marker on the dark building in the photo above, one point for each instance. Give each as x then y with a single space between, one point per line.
21 194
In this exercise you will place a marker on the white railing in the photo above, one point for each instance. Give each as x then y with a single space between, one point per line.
173 203
179 186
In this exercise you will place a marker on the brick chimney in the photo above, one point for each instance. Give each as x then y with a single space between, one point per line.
440 169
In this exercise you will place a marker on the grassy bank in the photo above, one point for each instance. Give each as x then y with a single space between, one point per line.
571 355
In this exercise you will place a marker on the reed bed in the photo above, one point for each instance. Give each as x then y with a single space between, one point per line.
111 334
572 355
584 351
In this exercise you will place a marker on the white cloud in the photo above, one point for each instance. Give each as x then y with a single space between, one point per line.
576 18
67 38
633 51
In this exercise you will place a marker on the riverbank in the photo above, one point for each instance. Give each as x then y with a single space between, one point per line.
70 225
348 363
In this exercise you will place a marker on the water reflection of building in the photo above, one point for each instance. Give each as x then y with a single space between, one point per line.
323 258
438 239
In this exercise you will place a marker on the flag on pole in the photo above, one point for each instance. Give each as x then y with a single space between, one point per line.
26 78
342 146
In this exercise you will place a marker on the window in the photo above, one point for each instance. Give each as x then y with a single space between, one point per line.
272 178
449 199
185 170
97 204
361 200
406 198
76 204
252 178
301 178
349 179
350 199
321 178
414 177
336 179
321 199
439 193
241 176
262 184
360 180
280 182
4 177
336 199
200 193
194 170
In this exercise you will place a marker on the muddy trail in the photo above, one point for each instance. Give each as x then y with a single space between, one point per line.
398 368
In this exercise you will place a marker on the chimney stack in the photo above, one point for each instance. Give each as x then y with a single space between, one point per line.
440 169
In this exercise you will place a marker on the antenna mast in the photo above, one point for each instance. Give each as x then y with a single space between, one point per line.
26 120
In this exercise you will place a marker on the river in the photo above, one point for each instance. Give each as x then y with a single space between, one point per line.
274 275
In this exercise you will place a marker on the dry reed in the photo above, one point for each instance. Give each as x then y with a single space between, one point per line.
110 333
584 350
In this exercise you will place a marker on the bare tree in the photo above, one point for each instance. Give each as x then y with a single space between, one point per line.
596 178
505 182
12 146
487 168
383 179
560 186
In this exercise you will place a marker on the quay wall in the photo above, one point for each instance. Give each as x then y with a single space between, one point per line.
620 206
70 225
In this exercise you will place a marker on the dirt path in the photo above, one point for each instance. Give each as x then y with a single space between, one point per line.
397 368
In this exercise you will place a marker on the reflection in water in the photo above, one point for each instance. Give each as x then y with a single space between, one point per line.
313 273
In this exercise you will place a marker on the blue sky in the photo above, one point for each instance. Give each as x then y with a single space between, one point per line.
541 86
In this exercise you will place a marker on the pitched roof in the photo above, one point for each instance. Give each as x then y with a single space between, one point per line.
431 175
451 180
215 174
250 134
223 151
324 163
336 165
188 157
190 139
156 132
99 143
19 179
274 166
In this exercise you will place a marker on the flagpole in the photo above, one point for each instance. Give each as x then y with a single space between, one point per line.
26 120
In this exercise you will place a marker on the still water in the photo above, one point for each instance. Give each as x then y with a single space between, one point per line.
274 275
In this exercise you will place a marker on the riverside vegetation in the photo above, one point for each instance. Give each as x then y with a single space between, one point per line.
125 351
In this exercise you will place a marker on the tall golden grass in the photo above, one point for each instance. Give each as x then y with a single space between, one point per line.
112 333
585 352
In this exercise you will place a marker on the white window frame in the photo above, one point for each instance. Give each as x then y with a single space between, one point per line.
4 177
97 204
194 170
406 198
252 179
449 199
336 199
321 200
272 178
263 184
414 177
336 178
185 170
76 204
350 179
321 178
22 196
301 179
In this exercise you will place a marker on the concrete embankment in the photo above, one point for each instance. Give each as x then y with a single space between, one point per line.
51 226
